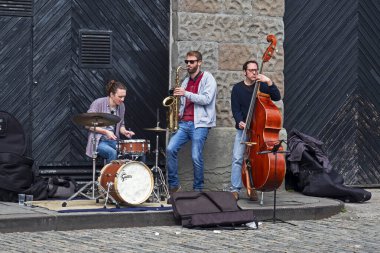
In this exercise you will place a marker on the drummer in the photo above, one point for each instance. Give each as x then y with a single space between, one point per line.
106 137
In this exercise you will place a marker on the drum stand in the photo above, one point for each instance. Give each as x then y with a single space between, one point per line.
160 186
102 192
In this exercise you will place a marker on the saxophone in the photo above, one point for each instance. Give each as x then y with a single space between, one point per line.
173 103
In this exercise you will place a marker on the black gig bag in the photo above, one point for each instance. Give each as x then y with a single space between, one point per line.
209 209
16 174
310 171
16 169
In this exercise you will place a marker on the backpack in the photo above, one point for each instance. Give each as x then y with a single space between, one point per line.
52 187
61 187
209 209
39 188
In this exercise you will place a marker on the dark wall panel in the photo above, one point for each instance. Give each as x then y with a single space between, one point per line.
51 77
369 93
140 59
16 69
330 93
44 85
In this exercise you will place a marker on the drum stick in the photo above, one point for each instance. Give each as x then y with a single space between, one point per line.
129 129
158 117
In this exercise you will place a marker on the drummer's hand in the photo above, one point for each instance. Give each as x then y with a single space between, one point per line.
110 135
128 134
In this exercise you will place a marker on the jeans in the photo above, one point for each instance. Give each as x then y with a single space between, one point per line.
107 150
185 133
237 162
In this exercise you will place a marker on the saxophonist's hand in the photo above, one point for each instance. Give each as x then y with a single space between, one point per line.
179 91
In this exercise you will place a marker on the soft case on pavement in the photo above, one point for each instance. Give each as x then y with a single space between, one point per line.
16 174
209 209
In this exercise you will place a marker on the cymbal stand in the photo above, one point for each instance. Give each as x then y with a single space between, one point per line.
160 186
102 192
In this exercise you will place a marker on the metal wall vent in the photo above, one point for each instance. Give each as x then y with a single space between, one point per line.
21 8
95 49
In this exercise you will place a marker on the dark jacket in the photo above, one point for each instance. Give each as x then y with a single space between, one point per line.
241 99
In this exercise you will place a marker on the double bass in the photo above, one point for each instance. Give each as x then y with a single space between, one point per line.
262 170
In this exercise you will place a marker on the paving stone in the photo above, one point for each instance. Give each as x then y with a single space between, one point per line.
355 230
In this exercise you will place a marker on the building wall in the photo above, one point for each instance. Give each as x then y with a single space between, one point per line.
332 75
44 83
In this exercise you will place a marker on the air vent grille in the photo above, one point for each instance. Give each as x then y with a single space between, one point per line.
95 49
21 8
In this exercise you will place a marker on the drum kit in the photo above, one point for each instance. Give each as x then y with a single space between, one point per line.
126 180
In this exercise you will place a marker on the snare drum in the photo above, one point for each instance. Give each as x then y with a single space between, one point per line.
132 182
133 147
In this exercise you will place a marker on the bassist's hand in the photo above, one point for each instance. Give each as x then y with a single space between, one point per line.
264 79
241 125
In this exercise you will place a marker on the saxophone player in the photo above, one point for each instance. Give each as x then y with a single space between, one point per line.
196 116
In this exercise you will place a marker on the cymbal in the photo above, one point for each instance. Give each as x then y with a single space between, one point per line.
155 129
96 119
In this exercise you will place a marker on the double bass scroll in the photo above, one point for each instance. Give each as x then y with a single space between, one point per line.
266 57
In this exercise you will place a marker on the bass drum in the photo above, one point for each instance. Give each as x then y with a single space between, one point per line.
132 182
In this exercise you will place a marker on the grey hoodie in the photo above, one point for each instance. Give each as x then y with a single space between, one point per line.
204 101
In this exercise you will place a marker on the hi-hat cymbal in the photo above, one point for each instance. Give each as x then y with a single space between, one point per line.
155 129
96 119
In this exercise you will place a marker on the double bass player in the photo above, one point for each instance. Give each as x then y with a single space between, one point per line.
240 102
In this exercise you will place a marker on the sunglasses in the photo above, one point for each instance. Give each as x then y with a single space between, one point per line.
190 61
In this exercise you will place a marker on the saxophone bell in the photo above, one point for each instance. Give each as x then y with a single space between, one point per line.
173 104
168 101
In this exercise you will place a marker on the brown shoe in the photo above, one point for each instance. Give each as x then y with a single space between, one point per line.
175 189
253 196
171 191
236 195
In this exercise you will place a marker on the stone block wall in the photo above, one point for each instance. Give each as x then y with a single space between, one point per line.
227 33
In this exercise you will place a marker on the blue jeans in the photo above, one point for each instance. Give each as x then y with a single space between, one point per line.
185 133
107 150
237 162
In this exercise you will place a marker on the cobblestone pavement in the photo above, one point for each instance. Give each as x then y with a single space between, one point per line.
354 230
